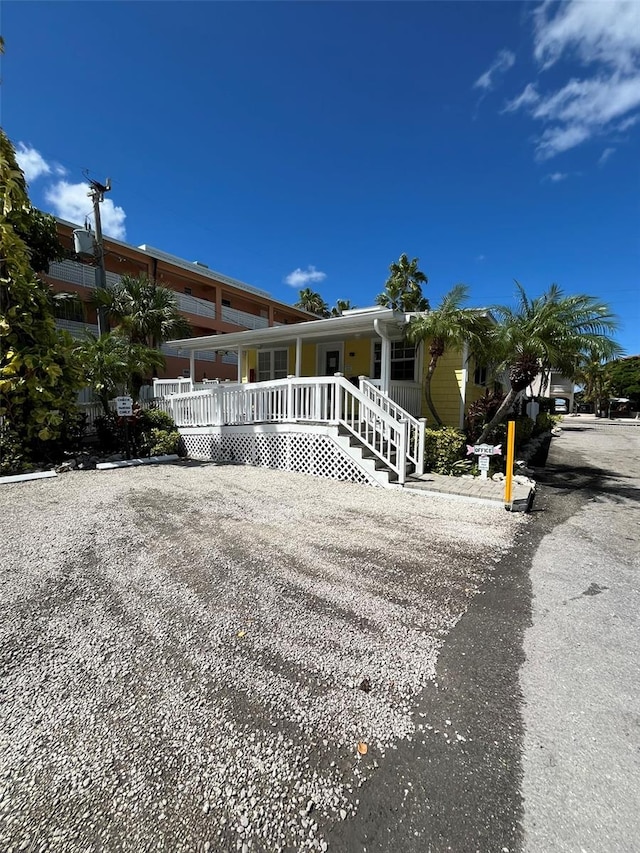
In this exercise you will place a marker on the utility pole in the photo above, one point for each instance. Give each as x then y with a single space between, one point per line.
96 194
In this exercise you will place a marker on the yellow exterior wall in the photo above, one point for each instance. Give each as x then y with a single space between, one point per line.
358 364
445 387
308 366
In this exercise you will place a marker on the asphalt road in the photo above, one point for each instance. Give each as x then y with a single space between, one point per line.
581 678
541 679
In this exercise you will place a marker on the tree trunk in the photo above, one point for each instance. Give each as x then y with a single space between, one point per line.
499 416
427 389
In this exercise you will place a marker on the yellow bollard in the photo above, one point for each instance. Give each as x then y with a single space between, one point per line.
511 445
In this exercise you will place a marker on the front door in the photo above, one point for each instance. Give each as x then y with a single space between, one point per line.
329 358
331 362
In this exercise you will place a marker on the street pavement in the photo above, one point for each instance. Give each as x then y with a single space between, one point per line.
539 678
581 678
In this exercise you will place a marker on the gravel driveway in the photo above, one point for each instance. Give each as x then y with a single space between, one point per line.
194 657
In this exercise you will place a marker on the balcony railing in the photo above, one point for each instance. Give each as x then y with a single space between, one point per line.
72 272
175 352
243 318
84 275
194 305
75 328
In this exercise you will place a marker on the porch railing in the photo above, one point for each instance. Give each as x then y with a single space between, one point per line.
408 395
316 399
416 426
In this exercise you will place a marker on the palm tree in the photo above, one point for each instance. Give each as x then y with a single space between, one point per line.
340 306
593 375
112 364
552 331
449 325
145 313
312 302
403 289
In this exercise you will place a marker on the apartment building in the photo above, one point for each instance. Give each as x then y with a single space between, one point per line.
214 304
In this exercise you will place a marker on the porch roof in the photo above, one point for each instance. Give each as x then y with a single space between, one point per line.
351 323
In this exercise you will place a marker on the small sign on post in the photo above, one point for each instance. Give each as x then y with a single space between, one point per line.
124 407
484 451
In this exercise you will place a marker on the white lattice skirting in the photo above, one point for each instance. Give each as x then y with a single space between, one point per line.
290 449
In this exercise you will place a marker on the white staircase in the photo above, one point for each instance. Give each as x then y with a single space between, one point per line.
373 439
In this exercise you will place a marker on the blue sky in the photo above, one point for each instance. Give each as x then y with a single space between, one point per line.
316 142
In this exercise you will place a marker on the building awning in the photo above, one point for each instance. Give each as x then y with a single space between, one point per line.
358 322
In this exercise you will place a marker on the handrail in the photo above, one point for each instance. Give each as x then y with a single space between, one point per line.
417 426
314 399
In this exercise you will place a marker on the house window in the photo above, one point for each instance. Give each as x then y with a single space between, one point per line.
187 290
272 364
480 375
226 303
403 360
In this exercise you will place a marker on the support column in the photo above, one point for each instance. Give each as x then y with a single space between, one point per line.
192 365
385 366
298 356
240 357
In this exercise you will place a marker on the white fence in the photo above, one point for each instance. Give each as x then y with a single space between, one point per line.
319 400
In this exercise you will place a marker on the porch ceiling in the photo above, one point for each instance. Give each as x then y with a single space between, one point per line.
316 331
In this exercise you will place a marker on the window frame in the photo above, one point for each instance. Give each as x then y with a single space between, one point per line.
272 365
377 361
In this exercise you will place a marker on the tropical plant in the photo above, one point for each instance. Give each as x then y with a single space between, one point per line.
312 302
592 375
443 450
144 312
39 375
449 325
403 289
552 331
624 375
340 306
113 364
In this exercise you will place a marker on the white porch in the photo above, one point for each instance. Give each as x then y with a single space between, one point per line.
323 425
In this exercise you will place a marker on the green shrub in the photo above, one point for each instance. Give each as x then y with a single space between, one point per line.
156 418
443 448
545 422
524 430
149 432
164 442
12 453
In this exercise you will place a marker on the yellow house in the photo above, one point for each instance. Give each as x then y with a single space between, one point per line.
367 342
340 397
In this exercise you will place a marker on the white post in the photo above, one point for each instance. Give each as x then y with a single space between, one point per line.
289 413
385 366
402 452
192 368
421 429
240 355
298 356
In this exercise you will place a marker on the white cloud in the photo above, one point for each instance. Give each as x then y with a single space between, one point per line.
556 177
528 96
502 63
71 202
480 258
607 32
301 278
605 156
602 37
33 163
